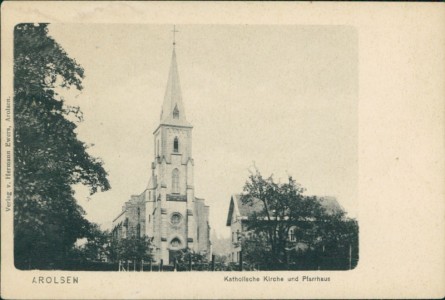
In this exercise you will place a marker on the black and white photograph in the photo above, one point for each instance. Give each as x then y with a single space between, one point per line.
105 175
170 151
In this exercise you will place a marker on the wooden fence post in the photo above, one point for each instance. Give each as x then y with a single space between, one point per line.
190 263
350 257
241 260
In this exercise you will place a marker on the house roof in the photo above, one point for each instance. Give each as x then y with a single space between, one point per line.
330 204
242 210
246 209
236 207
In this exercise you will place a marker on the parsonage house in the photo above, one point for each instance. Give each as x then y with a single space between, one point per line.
167 211
238 220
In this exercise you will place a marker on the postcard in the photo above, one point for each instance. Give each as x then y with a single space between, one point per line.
222 150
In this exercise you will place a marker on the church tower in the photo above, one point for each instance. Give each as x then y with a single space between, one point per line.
175 219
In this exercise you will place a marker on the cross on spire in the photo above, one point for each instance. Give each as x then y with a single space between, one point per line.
174 34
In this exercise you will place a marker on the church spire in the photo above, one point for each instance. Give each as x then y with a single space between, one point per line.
174 35
172 109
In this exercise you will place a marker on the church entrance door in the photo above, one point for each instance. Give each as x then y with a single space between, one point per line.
172 255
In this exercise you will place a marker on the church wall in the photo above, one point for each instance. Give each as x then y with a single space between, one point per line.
149 208
206 237
153 212
157 230
184 142
136 214
163 228
202 225
182 175
157 144
117 226
180 229
133 213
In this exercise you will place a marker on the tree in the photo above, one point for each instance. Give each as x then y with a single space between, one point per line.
284 207
132 248
257 250
186 256
48 157
337 241
98 243
280 203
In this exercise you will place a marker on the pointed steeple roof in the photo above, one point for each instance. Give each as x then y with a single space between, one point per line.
173 112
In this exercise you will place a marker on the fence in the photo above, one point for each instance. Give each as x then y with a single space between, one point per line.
343 258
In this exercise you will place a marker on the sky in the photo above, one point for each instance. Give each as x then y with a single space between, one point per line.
281 98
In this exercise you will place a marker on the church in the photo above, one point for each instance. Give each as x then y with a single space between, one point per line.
167 211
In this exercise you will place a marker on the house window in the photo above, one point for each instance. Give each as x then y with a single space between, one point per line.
176 145
292 236
175 181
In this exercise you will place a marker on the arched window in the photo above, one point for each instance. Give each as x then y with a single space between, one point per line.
175 243
176 145
175 181
176 112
